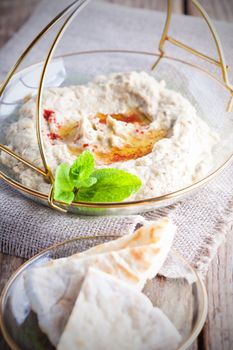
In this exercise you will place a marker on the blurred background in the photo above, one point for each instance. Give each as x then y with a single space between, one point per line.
13 13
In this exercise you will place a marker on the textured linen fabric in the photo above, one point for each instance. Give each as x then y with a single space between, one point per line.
203 219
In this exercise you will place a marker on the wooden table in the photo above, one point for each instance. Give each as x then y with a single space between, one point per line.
217 333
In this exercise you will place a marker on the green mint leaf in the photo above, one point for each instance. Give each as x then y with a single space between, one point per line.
66 197
86 183
82 168
113 185
63 186
62 179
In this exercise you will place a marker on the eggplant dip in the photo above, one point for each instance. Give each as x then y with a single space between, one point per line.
128 121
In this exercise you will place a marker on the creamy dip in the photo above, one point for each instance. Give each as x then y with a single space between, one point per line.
129 121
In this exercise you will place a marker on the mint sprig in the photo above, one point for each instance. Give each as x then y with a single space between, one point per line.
81 170
80 182
112 185
63 185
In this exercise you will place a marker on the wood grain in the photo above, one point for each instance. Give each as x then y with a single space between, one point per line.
13 13
8 265
218 331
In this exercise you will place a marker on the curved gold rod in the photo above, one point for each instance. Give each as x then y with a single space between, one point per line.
33 43
149 201
52 204
15 67
218 45
220 63
164 34
79 5
18 186
22 160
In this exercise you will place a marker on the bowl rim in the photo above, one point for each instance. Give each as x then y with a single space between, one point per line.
198 281
126 204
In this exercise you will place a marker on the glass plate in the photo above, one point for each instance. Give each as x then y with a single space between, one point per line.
181 296
77 68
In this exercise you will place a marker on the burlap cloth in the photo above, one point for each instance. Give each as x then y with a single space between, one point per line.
203 220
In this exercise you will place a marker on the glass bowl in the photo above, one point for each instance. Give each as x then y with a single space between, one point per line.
181 296
201 88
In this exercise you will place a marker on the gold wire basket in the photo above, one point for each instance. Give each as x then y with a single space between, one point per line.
218 114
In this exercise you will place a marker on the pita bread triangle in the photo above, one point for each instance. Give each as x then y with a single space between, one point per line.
103 301
53 287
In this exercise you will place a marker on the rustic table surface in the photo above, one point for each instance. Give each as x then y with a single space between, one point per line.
217 333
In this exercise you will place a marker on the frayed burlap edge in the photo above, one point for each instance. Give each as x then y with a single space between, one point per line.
211 244
208 250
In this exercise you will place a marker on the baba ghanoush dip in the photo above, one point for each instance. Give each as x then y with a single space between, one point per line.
128 121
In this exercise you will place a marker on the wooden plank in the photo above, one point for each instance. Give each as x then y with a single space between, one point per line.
158 5
8 265
12 15
216 9
175 298
218 331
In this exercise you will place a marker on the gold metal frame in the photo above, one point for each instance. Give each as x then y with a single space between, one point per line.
185 345
220 62
71 11
74 8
